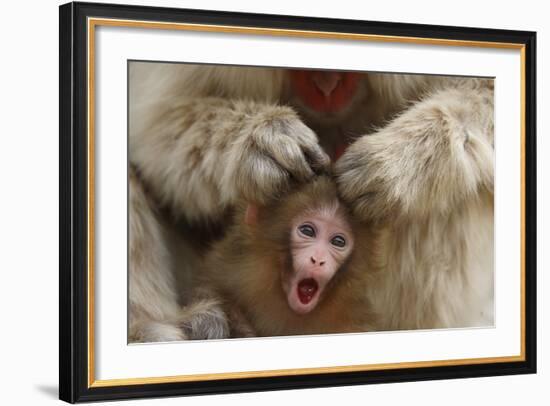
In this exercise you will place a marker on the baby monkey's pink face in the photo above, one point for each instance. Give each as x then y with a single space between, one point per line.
320 242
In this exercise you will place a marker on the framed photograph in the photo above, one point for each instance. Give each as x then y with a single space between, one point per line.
258 202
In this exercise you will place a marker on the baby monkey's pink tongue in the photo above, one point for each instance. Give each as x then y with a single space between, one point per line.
307 288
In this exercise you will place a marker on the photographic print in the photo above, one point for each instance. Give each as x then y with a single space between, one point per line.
256 202
270 201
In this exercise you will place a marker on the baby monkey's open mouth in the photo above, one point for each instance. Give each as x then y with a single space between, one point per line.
307 288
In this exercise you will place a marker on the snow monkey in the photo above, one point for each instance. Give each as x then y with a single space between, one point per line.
299 265
412 152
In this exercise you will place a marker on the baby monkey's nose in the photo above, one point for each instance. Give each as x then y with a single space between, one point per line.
314 261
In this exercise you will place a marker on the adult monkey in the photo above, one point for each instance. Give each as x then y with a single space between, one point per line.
420 162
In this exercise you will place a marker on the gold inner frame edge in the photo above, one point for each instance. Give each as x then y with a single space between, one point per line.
93 22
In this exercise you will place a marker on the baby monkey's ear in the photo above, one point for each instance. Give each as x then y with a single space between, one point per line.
251 214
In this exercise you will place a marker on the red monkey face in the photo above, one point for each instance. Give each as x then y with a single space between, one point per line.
324 91
320 241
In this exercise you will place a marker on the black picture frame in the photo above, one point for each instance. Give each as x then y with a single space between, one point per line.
74 199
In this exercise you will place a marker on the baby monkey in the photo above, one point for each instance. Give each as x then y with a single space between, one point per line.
298 265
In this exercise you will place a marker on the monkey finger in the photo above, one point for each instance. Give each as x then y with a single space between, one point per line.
309 143
350 178
317 159
260 178
353 166
288 154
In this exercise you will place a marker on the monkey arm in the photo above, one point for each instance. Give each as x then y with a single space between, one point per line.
151 285
432 158
201 155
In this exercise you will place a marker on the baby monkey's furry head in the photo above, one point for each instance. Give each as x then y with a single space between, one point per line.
310 235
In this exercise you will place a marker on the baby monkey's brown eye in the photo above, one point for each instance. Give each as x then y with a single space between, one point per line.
338 241
307 230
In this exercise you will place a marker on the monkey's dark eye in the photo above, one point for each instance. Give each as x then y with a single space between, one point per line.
338 241
307 230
